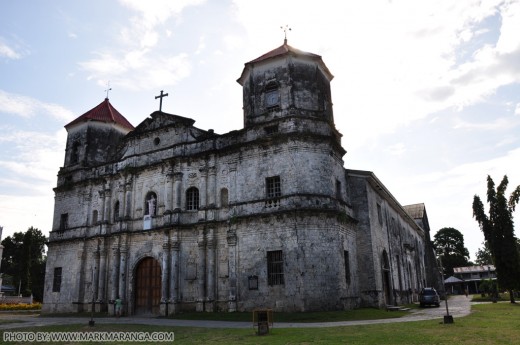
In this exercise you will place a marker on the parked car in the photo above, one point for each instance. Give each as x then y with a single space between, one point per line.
429 296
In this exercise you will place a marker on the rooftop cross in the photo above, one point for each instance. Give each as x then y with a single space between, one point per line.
285 29
160 99
108 88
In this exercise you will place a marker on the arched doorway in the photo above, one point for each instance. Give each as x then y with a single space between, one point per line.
386 279
147 287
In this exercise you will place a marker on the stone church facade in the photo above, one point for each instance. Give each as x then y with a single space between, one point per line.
173 218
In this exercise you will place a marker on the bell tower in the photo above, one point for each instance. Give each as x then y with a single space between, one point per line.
286 82
93 137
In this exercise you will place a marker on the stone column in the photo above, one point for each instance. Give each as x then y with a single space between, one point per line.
164 276
95 275
203 187
114 274
177 187
102 275
122 275
128 198
232 195
232 262
212 187
101 213
210 271
168 191
174 276
108 204
201 272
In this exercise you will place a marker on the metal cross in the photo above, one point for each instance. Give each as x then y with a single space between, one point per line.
108 88
285 29
160 99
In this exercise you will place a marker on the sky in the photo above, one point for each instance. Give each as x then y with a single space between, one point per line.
426 93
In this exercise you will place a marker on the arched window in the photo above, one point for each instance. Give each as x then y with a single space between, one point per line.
224 198
192 199
150 204
116 211
94 217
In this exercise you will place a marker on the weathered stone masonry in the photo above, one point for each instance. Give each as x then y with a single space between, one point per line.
170 217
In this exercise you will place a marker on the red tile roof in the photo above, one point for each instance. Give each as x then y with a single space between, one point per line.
103 112
282 50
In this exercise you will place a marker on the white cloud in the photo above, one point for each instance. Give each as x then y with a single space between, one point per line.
28 107
497 124
396 62
136 65
137 70
8 52
448 195
396 150
36 155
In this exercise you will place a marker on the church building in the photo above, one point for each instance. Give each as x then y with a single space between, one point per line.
171 218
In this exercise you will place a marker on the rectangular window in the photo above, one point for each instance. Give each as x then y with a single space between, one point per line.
64 221
273 187
275 268
347 266
56 282
338 190
379 214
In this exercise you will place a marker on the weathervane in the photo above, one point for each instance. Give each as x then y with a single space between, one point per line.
160 99
285 29
108 88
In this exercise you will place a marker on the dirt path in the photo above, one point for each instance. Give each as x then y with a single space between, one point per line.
458 306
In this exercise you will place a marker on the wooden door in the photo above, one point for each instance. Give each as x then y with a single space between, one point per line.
148 287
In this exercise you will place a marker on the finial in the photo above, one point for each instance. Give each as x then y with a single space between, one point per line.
160 99
108 88
285 29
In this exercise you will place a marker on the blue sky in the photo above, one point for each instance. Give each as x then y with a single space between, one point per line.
426 94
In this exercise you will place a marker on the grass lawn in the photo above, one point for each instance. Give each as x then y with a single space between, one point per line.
494 323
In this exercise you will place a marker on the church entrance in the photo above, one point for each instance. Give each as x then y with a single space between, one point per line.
148 287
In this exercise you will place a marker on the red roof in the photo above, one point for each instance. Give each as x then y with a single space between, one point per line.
281 50
104 112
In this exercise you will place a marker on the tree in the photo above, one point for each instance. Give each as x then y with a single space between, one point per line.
483 255
498 229
23 259
449 247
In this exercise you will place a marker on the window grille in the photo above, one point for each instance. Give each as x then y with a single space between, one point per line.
273 187
275 268
192 199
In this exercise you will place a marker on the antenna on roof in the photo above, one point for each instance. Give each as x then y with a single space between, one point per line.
108 88
285 29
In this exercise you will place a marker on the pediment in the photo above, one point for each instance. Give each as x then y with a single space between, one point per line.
159 120
160 133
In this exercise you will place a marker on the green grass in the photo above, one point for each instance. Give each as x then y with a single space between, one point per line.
488 298
494 323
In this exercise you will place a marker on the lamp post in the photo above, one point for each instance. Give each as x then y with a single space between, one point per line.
447 318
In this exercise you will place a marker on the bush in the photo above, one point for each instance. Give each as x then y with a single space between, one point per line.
20 306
